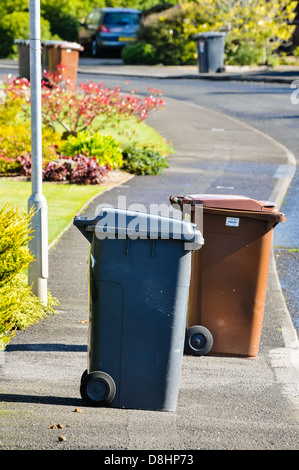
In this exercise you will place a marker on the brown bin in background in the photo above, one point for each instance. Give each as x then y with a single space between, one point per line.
55 53
229 273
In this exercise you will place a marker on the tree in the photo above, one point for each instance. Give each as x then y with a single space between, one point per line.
15 25
9 6
255 28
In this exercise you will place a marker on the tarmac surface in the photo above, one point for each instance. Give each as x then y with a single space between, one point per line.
282 74
224 403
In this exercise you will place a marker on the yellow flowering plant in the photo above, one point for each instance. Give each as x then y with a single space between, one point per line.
255 28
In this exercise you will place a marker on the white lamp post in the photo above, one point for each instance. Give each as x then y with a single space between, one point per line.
38 269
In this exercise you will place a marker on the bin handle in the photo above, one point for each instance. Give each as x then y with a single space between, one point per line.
180 200
175 199
81 223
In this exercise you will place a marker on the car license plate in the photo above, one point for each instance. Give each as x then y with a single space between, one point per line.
124 38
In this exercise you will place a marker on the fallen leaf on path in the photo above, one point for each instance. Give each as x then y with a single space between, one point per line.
78 410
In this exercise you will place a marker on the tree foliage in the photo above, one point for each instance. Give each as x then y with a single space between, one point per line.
256 26
16 26
255 29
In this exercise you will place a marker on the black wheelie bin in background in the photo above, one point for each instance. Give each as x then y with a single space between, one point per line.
139 275
210 51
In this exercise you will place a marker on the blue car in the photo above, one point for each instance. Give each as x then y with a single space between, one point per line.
107 29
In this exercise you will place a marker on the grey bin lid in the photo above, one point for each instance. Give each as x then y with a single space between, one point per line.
50 43
209 34
24 42
133 224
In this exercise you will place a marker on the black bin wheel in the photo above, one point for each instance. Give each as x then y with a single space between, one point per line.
198 341
84 375
97 388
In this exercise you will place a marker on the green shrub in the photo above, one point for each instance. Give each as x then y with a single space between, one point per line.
170 35
143 161
19 307
139 53
15 233
158 7
9 165
255 29
243 53
9 106
104 148
15 140
62 21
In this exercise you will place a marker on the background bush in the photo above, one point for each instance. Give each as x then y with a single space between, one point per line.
15 141
15 234
139 53
104 148
16 26
63 20
166 31
143 161
255 29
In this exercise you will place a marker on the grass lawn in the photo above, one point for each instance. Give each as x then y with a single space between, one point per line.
64 200
129 131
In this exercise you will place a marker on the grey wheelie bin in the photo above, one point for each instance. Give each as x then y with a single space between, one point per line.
210 51
139 275
24 57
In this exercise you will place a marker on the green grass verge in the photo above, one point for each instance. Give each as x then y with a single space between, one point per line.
63 200
129 131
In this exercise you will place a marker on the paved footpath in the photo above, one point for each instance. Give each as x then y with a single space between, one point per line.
282 74
224 403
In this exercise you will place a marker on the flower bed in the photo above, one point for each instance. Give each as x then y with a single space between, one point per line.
73 144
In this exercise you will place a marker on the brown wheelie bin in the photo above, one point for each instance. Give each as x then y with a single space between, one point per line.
55 53
229 274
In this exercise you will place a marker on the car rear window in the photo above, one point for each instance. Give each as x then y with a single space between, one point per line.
122 18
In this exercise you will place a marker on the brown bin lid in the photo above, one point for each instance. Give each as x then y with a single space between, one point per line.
234 204
63 45
220 201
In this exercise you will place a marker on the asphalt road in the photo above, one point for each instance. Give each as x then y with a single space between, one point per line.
264 106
